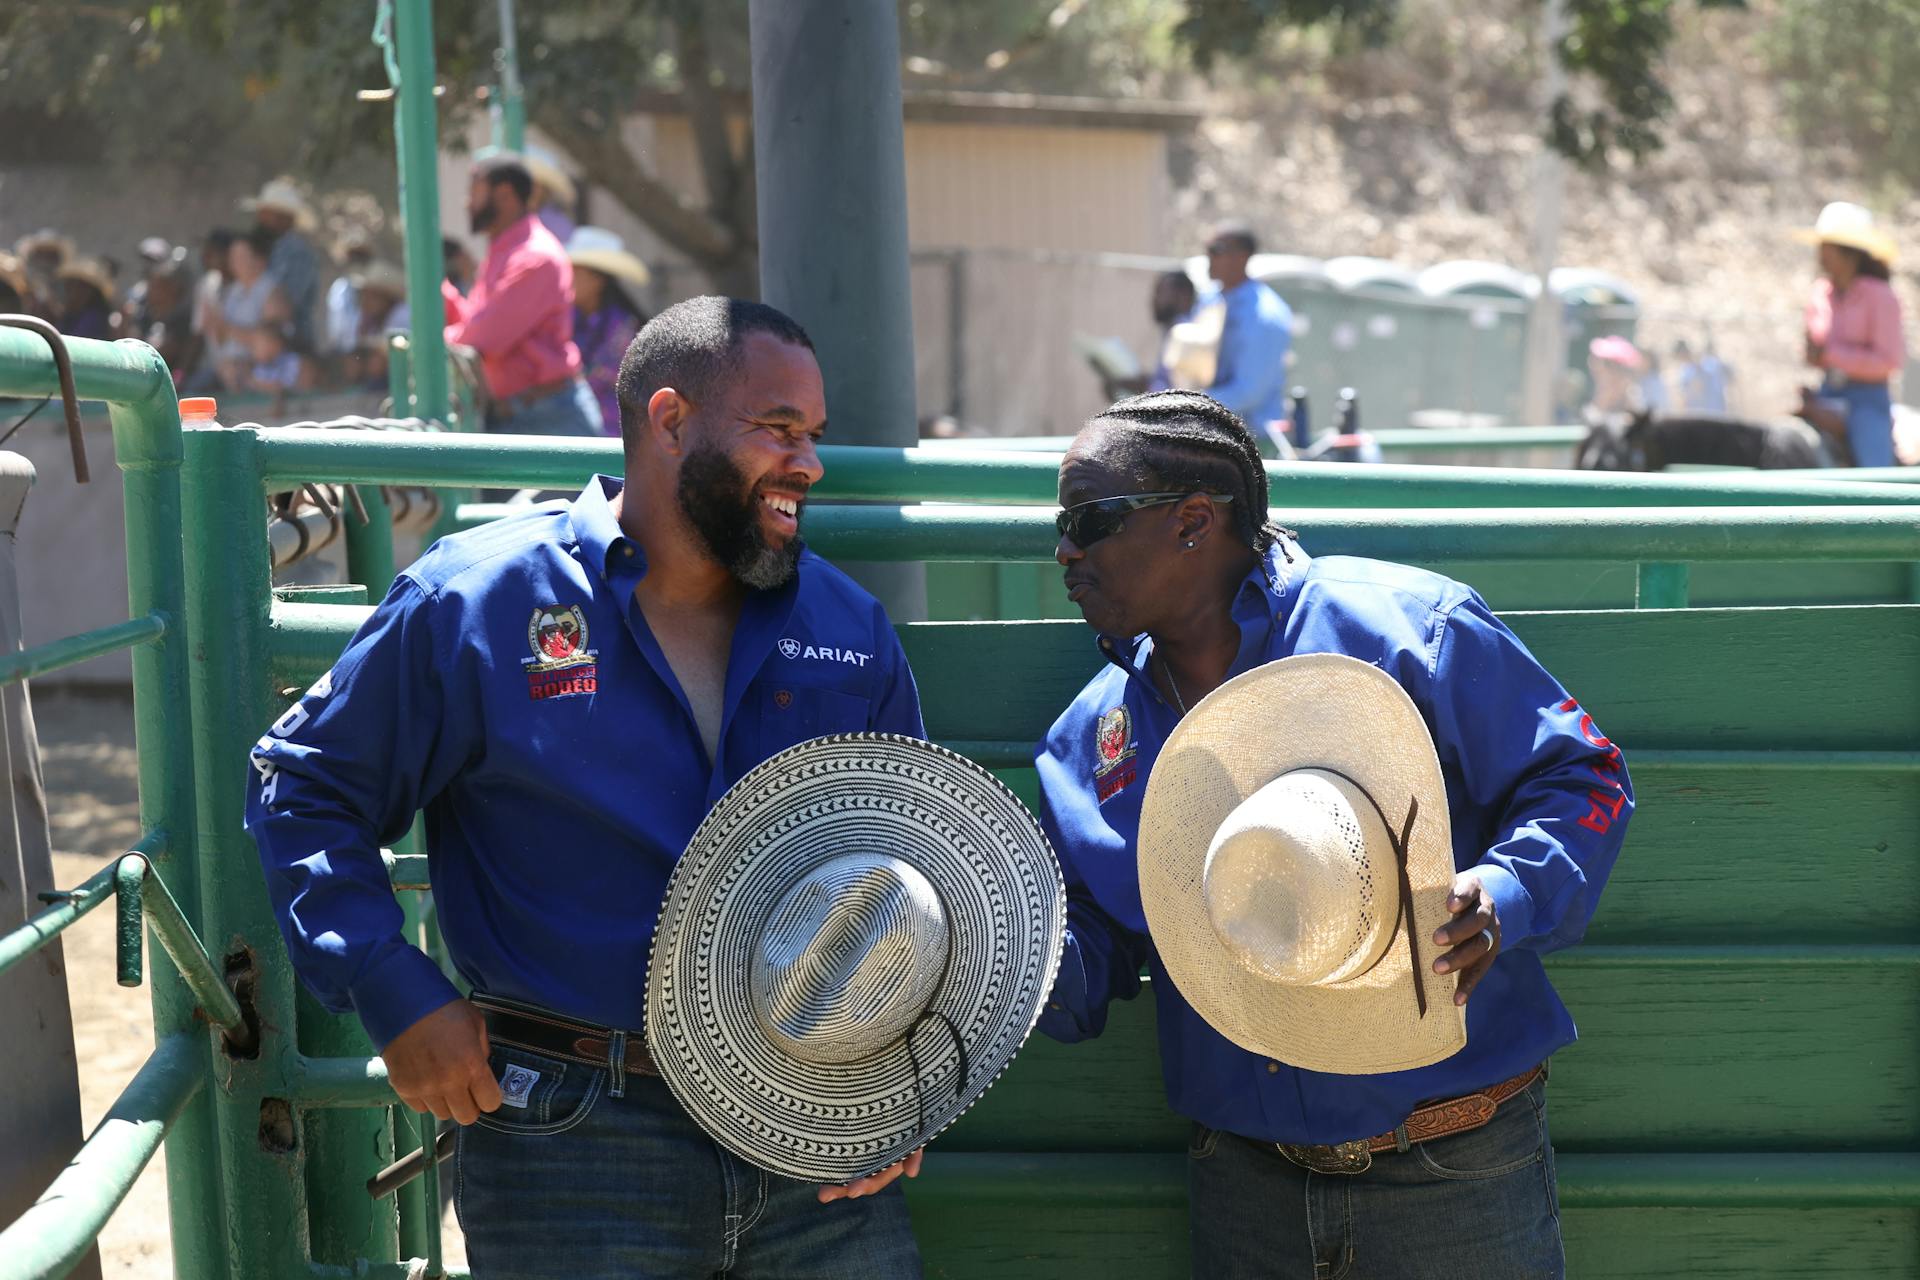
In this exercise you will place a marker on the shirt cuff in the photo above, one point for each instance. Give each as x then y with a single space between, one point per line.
1060 1017
397 990
1511 901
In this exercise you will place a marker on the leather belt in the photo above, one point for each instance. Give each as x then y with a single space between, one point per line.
1435 1120
526 399
538 1030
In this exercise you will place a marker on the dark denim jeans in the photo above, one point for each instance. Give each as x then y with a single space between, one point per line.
578 1185
571 411
1480 1204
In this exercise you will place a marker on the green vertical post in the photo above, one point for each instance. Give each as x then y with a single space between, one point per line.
510 125
830 169
262 1154
416 145
1661 586
400 374
370 545
146 444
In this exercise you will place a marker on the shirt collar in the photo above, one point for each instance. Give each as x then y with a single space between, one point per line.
1262 602
603 545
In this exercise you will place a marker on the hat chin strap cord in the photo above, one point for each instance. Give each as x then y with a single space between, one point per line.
959 1048
1405 913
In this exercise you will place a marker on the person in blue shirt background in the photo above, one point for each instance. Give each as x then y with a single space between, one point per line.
1251 376
1171 557
565 694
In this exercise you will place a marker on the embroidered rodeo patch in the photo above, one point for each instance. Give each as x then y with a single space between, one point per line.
1113 744
562 666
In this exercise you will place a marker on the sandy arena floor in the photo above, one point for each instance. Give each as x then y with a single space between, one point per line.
86 751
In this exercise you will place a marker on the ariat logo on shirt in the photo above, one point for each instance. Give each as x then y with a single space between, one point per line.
793 650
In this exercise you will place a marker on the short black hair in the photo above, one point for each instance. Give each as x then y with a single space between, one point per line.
509 170
1188 442
693 346
260 240
219 238
1176 279
1235 230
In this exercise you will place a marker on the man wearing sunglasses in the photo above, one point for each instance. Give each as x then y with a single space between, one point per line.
1250 377
1170 556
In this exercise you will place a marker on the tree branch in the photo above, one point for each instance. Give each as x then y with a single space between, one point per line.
598 147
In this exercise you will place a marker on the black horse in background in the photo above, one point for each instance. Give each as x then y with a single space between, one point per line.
1647 443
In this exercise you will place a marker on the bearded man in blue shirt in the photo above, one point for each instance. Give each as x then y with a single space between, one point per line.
565 694
1170 555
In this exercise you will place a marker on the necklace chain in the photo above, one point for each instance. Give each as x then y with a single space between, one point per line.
1172 684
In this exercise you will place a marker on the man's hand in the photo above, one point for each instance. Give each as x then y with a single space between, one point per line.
1473 933
874 1181
439 1064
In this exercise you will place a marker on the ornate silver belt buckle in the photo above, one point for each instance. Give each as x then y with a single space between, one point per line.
1341 1157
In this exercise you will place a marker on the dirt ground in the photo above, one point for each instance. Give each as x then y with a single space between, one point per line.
86 751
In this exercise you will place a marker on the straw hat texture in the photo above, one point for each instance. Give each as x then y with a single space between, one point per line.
603 251
854 945
1853 227
1270 877
89 271
282 195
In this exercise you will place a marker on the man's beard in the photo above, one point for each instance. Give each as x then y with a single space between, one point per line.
716 501
482 218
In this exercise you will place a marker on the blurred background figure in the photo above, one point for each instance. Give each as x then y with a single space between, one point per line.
1251 375
41 256
554 198
1653 384
249 300
380 294
1703 378
1616 367
86 299
281 212
13 286
341 336
459 264
606 314
160 313
1854 333
276 369
1171 302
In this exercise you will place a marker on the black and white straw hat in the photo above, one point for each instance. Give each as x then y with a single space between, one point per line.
853 947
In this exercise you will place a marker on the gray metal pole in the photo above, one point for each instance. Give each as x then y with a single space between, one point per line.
830 167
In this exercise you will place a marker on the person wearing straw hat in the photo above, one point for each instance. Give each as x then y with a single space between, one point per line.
554 197
87 298
1854 334
282 212
605 315
519 314
567 694
1340 812
42 253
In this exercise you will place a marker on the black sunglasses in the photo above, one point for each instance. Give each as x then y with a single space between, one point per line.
1085 523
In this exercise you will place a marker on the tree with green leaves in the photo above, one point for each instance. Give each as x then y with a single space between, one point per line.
127 74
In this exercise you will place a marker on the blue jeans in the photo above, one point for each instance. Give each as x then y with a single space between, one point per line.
571 411
579 1185
1480 1204
1869 410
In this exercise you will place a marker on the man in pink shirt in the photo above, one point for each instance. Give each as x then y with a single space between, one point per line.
519 314
1854 330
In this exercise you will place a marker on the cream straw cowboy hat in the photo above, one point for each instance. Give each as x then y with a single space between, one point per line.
600 250
1853 227
282 195
544 168
1295 861
88 271
852 948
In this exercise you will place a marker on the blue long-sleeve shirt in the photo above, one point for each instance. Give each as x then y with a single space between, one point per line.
1539 802
510 687
1251 377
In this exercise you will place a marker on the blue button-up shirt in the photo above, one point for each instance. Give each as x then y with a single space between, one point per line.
1251 378
510 687
1539 801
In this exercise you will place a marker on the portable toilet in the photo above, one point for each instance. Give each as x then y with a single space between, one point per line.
1380 309
1478 349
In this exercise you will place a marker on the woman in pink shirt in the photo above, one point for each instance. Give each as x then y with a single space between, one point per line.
1854 329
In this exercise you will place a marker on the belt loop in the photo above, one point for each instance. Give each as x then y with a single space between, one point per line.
1400 1140
617 1063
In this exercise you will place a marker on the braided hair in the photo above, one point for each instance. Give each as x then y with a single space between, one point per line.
1185 441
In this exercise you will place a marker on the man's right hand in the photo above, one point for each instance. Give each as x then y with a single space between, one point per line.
439 1064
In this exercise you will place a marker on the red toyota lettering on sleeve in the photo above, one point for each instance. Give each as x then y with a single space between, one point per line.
1603 806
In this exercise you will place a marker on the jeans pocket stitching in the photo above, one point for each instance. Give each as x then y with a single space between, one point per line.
546 1128
1536 1155
1204 1148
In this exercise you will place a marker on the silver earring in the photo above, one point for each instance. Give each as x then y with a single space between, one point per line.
1189 544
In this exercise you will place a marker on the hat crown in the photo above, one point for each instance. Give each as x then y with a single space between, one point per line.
849 958
1843 215
594 240
1300 881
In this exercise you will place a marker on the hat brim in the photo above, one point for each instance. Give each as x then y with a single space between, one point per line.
621 266
303 217
998 883
1311 711
1874 244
